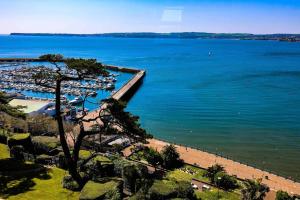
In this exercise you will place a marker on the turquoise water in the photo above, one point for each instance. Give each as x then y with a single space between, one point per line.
243 101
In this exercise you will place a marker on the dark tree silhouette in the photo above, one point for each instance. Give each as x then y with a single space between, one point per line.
254 190
111 115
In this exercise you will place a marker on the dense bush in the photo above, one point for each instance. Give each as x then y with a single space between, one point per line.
171 157
70 184
3 136
254 190
134 176
225 181
23 139
166 189
98 167
212 171
119 164
153 157
43 159
45 144
101 190
281 195
61 160
17 152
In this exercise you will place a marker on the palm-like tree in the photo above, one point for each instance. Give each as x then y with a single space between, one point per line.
254 190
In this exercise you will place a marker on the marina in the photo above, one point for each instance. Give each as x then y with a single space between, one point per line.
17 80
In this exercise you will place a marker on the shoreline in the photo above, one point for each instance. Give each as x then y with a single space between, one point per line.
204 160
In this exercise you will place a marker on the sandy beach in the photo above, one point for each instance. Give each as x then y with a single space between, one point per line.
204 159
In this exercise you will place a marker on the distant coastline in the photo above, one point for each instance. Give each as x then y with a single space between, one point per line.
179 35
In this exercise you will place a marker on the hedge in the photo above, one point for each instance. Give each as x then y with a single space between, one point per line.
98 190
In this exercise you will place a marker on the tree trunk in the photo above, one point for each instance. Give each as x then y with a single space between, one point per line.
72 166
77 144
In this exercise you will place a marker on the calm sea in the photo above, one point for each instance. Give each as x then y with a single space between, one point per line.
240 99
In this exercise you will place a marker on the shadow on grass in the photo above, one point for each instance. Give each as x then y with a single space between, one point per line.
18 178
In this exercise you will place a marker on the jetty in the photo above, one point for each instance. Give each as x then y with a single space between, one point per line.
124 93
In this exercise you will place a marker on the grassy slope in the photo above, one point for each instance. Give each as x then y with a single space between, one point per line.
36 187
46 188
213 194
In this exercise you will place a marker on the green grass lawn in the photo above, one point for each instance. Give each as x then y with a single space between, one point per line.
183 176
212 194
4 151
47 186
215 194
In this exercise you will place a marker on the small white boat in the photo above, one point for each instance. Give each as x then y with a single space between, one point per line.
76 101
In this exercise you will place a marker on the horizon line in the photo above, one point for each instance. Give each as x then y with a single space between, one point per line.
149 32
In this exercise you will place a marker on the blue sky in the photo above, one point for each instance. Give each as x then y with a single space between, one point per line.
102 16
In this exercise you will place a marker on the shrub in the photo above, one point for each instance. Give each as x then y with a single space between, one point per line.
43 159
113 195
281 195
185 190
212 171
254 190
162 189
3 136
170 156
99 190
69 183
23 139
119 164
17 152
166 189
84 154
45 144
134 176
98 166
153 157
225 181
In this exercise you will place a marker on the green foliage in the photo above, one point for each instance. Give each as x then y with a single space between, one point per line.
225 181
22 139
44 144
11 164
86 67
171 157
213 170
94 190
52 57
84 154
99 166
69 183
153 157
134 176
4 151
6 108
21 136
45 185
281 195
254 190
130 123
119 164
3 136
166 189
113 195
214 194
